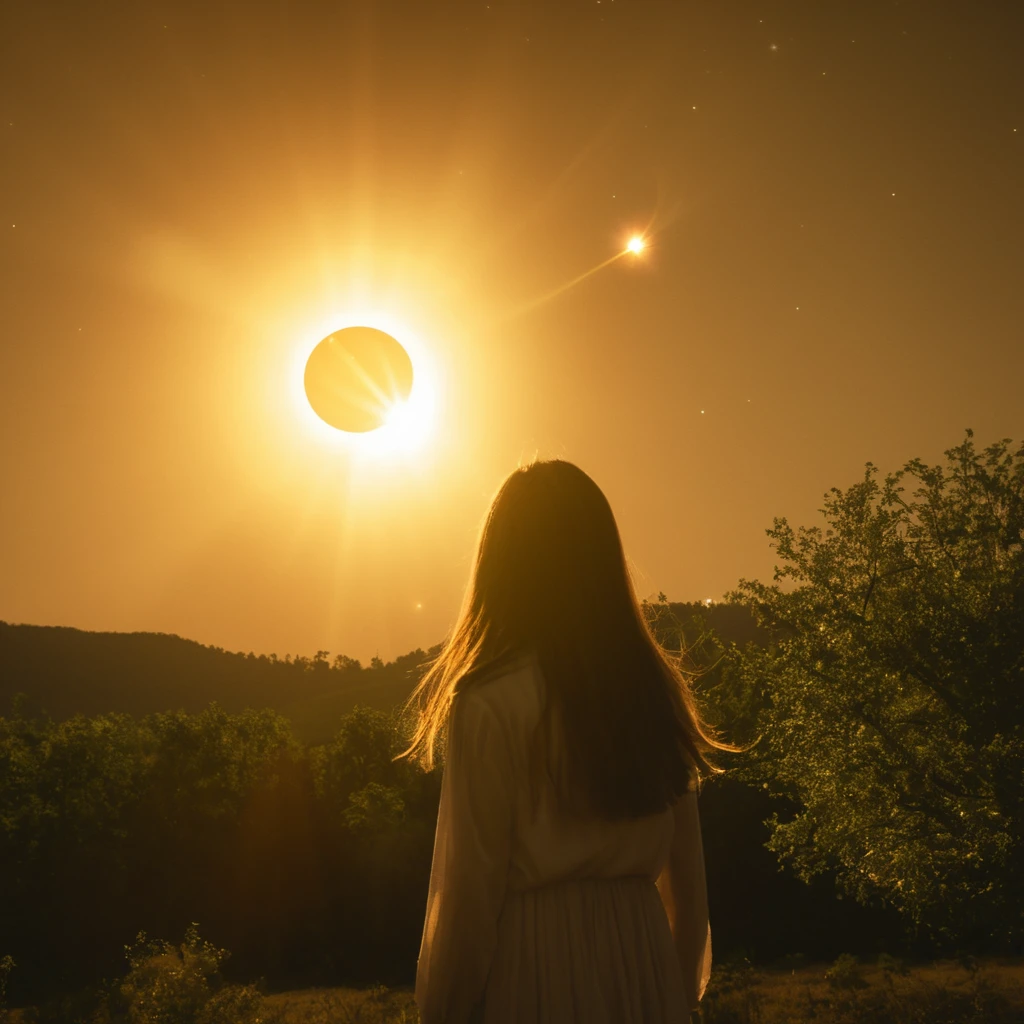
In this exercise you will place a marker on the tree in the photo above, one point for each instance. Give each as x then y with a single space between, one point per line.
893 691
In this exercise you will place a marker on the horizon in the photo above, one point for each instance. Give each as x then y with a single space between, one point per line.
288 655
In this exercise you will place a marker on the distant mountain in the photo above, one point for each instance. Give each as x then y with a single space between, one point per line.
63 671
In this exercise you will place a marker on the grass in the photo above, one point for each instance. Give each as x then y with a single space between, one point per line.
945 992
343 1006
847 992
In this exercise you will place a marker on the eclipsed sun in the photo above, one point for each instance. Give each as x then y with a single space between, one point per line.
358 378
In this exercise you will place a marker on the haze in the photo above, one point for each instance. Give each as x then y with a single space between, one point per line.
192 195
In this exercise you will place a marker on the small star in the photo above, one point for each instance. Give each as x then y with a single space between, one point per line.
702 412
773 47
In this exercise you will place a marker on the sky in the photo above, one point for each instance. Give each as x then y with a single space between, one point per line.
192 195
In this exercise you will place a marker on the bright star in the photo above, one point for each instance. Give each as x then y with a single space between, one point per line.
635 245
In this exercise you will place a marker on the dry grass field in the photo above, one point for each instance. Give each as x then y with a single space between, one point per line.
946 992
343 1006
846 992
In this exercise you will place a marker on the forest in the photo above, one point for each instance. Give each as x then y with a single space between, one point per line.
877 681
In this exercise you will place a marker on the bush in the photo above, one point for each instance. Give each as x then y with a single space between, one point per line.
170 984
846 973
732 996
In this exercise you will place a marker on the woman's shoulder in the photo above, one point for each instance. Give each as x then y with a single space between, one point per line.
508 687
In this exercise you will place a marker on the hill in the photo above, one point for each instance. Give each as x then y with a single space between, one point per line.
61 671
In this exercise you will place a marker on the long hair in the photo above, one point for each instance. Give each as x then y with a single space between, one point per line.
551 580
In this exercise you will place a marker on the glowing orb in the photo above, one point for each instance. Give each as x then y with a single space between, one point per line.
356 378
635 245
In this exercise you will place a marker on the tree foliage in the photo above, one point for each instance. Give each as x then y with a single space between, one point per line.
892 690
306 861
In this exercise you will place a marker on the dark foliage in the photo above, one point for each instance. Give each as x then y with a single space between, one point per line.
309 862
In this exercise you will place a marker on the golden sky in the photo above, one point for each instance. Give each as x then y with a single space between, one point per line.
192 195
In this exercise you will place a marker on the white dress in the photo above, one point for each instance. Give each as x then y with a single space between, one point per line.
533 918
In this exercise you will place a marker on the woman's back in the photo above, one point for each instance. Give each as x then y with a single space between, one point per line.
547 846
536 916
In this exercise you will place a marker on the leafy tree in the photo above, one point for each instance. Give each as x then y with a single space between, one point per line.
362 751
894 691
374 808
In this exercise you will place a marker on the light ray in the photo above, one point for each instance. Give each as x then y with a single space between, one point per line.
562 288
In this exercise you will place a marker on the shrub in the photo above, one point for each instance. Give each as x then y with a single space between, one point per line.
845 973
731 996
169 984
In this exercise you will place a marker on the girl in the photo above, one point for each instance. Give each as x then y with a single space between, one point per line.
567 884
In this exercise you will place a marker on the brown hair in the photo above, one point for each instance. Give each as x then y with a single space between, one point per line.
551 580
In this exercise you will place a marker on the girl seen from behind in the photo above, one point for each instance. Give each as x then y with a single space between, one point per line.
567 882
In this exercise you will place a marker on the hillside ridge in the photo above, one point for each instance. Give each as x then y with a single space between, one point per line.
61 671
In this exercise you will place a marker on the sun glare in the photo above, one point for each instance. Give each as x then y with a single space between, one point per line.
407 424
635 245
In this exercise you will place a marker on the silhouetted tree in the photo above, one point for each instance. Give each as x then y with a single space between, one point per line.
894 691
